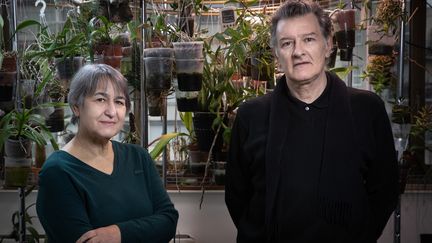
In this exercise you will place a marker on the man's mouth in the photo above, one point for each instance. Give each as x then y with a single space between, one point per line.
300 63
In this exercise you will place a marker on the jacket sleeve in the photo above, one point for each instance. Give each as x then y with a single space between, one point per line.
159 227
382 182
59 206
237 182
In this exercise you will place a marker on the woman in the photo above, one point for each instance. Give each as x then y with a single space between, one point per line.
96 189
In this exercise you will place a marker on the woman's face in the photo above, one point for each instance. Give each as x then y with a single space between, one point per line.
102 115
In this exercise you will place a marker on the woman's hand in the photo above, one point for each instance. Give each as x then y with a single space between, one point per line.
109 234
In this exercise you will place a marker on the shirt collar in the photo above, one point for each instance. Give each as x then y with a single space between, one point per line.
321 102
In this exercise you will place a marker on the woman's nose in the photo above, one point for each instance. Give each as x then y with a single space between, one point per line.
110 108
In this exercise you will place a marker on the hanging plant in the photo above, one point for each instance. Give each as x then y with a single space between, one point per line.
388 15
379 72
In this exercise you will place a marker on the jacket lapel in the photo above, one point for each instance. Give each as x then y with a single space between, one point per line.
278 126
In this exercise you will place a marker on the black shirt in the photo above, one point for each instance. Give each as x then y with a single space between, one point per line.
300 166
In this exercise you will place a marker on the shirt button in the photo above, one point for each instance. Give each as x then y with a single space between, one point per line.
307 108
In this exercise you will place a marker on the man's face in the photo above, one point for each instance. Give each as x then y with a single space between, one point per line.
301 48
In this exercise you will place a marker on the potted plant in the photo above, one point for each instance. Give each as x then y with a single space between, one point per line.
56 92
66 49
19 128
105 43
8 58
344 25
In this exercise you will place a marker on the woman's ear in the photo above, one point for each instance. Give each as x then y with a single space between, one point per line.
75 110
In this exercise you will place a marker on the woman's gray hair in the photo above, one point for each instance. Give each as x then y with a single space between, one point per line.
296 8
87 79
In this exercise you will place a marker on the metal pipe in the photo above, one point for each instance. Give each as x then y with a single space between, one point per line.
401 56
21 218
143 95
399 98
164 131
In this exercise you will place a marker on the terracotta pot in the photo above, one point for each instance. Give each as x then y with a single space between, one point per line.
113 61
9 63
109 50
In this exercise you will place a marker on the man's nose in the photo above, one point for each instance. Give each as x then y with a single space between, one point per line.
298 49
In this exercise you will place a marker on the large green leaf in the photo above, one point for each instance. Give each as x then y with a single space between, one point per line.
162 143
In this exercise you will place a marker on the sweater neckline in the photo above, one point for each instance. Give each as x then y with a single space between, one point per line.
115 162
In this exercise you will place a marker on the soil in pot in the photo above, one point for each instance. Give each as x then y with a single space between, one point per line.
9 63
7 81
380 49
16 172
187 104
189 81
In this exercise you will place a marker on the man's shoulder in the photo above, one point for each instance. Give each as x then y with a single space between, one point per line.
256 104
364 97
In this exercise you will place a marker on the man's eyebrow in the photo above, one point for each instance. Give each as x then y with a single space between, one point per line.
303 35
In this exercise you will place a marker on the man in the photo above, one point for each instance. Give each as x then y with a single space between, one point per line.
313 161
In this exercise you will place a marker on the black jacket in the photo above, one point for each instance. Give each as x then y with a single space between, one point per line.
359 165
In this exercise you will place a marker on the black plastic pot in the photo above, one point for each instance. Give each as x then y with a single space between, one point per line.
55 121
68 66
345 42
202 122
7 81
380 49
185 104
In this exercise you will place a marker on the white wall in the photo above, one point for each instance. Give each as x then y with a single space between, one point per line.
212 224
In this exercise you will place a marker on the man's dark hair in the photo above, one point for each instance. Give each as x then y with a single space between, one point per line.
296 8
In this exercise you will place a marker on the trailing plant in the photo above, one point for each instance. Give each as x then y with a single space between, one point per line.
379 73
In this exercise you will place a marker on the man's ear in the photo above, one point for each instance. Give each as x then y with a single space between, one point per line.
275 53
329 45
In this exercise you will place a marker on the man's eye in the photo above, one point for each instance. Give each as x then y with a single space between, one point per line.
286 44
100 99
309 39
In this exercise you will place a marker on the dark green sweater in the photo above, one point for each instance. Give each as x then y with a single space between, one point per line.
74 198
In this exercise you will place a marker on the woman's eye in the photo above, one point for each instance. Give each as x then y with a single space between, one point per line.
100 99
119 102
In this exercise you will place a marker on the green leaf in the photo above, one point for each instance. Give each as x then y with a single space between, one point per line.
162 143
